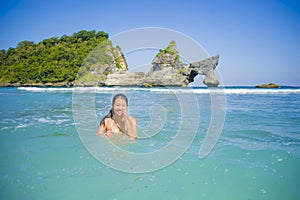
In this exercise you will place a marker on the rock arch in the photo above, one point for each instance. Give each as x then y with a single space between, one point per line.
205 67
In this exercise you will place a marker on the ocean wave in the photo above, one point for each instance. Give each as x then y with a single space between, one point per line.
167 90
261 91
44 89
261 140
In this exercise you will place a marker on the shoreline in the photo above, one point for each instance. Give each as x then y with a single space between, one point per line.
188 87
72 85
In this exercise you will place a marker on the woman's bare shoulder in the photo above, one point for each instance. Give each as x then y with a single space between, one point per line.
107 119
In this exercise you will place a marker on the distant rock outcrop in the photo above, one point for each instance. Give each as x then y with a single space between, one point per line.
270 85
167 70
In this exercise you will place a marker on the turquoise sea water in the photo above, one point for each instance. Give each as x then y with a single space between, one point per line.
257 155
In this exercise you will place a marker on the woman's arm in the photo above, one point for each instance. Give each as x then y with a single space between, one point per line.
131 124
101 129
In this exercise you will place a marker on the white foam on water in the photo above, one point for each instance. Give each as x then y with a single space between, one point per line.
42 89
261 91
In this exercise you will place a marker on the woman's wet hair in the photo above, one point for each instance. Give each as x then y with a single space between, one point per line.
111 112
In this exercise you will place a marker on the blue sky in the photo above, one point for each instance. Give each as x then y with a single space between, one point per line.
258 40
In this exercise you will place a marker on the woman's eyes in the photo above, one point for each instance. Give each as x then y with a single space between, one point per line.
120 105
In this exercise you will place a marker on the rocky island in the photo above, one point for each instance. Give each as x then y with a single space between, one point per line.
167 70
88 58
270 85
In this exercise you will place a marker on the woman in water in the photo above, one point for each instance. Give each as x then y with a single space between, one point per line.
117 120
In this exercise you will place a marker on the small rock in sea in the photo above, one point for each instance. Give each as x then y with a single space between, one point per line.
270 85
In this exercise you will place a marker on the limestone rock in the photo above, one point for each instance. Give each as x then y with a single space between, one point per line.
125 79
169 57
120 60
270 85
167 70
205 67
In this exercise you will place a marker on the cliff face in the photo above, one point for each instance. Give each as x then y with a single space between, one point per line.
102 61
169 57
167 70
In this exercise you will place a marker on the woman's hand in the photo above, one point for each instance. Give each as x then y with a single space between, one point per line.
107 134
125 115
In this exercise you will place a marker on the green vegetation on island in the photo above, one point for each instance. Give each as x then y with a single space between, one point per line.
60 59
171 49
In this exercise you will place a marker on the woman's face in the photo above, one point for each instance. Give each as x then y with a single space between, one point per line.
119 106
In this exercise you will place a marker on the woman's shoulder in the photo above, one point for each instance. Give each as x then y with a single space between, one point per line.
107 120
